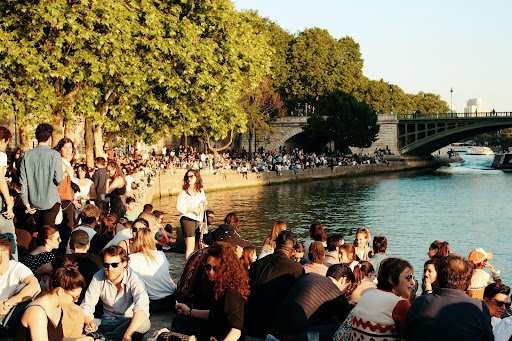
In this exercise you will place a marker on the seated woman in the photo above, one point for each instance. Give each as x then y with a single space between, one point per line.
316 234
429 281
316 259
364 275
153 267
438 249
248 256
39 259
225 318
105 232
43 318
362 244
348 255
126 243
269 244
381 312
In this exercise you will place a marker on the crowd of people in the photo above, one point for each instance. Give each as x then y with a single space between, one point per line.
79 262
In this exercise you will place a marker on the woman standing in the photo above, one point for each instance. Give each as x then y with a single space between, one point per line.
116 188
66 148
381 312
42 319
84 182
191 205
231 289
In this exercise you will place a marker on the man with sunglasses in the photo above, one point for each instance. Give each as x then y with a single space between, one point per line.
125 299
496 299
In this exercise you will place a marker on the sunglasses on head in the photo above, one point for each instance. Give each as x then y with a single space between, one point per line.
114 265
209 267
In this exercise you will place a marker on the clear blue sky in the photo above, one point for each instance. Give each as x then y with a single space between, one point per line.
426 46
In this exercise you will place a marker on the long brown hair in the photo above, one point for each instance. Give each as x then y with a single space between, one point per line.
317 233
61 144
117 168
144 242
199 181
247 258
277 227
231 274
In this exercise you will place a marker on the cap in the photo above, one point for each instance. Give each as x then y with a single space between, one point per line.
79 237
479 255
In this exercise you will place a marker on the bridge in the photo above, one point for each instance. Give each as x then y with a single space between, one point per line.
404 134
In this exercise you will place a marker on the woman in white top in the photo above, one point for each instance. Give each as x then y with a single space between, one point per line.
153 267
191 204
85 184
269 244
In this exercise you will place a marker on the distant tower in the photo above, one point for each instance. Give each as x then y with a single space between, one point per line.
475 105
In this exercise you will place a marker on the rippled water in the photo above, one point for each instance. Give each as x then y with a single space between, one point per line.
466 204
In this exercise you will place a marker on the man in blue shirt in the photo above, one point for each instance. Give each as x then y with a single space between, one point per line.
40 174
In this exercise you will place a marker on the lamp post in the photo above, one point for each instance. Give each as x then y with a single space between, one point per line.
451 100
391 96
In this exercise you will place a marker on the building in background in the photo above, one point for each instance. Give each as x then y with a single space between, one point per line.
475 105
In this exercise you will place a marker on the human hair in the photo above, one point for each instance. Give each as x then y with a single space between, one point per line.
5 134
100 161
118 171
380 244
317 233
338 271
366 268
277 227
316 252
107 225
142 221
66 277
90 213
286 239
350 250
247 256
333 241
43 132
5 242
129 200
494 289
158 214
389 272
62 142
232 219
144 242
147 208
83 167
441 248
454 272
231 275
114 251
44 233
433 262
365 232
199 181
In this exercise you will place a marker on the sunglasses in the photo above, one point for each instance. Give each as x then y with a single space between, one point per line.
191 176
501 303
75 298
409 277
209 267
114 265
135 229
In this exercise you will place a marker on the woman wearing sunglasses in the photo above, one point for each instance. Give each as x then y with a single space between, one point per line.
381 312
230 290
43 318
191 204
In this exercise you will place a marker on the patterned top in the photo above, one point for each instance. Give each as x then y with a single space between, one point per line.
34 262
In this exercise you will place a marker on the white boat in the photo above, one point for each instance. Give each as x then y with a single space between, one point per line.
479 151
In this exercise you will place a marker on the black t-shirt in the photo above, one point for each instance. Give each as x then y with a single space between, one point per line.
313 300
226 313
98 242
271 278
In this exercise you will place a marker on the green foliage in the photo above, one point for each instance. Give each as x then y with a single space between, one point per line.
426 102
343 119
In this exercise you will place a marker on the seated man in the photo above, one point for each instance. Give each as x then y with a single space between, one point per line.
124 297
496 298
315 303
13 276
333 244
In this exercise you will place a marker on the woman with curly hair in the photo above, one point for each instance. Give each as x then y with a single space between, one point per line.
230 291
269 244
191 204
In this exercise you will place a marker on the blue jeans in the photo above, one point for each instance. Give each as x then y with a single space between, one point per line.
113 329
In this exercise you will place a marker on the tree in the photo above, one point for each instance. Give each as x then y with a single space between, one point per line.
426 102
343 119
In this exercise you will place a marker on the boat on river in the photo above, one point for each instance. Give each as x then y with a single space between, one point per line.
502 161
479 151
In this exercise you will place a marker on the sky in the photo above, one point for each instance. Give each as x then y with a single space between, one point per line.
429 46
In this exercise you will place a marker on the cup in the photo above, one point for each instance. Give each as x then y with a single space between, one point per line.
313 336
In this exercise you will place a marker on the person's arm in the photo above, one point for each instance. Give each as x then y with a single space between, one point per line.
92 192
184 309
138 318
36 320
140 303
24 186
30 290
112 185
4 189
58 174
181 205
92 296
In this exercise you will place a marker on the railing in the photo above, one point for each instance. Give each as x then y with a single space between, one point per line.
455 115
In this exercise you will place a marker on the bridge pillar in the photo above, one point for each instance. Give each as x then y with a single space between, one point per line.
387 135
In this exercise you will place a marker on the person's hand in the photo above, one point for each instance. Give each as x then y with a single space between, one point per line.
90 327
127 338
77 203
29 209
5 306
492 268
84 338
9 214
182 308
427 282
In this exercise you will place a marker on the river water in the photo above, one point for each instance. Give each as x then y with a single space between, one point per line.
466 204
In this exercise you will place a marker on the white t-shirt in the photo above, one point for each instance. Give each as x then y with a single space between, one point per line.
13 278
121 235
3 159
186 201
155 273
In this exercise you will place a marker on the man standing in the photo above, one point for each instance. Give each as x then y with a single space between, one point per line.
12 276
449 313
271 278
100 178
125 299
40 174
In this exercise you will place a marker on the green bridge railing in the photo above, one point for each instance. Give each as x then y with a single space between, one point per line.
454 115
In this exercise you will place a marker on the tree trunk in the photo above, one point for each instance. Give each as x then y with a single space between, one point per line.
250 142
185 142
58 131
24 142
89 143
98 141
255 146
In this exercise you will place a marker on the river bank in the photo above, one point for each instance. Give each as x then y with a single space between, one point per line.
166 184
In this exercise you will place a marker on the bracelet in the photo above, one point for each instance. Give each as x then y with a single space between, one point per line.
190 312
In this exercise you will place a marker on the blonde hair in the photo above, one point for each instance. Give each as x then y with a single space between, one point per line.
277 227
144 242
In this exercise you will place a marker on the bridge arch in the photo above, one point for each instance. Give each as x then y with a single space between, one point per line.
284 135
